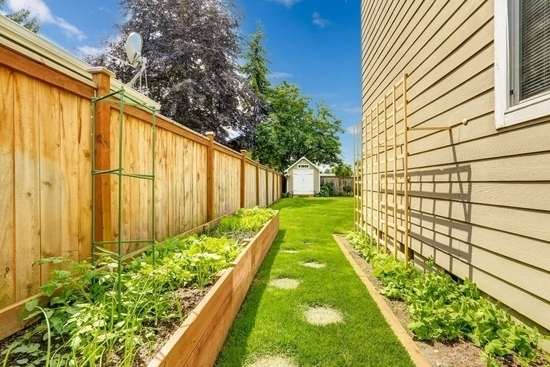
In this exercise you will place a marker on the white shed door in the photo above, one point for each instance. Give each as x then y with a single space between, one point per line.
303 182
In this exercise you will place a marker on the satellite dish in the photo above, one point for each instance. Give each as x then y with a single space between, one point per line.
133 46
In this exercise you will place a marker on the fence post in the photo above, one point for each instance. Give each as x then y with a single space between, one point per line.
257 183
102 183
243 178
266 187
210 177
273 187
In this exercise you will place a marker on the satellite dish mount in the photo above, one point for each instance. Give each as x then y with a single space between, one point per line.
133 47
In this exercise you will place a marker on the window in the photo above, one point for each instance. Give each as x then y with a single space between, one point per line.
303 166
522 60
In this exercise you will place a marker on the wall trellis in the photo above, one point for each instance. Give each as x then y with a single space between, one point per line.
384 172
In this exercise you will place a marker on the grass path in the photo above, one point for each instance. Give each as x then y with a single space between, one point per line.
271 321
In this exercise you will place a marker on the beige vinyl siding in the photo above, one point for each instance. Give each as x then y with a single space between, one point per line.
479 197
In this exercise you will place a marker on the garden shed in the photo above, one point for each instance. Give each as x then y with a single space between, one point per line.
303 177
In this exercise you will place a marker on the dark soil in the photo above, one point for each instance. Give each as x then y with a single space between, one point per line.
189 299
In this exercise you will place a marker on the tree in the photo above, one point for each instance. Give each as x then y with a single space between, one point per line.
293 130
22 17
255 69
342 170
192 47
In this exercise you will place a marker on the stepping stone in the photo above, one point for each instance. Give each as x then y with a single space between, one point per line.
273 361
284 283
289 251
313 264
323 315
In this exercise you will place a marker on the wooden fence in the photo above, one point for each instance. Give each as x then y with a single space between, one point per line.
339 182
46 161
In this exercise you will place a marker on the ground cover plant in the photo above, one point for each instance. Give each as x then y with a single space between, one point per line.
272 325
86 322
442 309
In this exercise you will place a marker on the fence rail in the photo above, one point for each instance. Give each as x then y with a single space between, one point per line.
46 162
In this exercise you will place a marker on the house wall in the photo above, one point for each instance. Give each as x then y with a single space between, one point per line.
480 197
316 176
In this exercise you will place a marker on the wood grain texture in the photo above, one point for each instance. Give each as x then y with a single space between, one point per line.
51 176
27 195
33 69
45 171
7 194
200 338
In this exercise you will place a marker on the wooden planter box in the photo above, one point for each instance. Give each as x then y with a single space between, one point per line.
200 338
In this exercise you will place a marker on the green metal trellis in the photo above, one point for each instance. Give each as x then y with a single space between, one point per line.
121 98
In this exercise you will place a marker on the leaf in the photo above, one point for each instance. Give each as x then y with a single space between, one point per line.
22 361
31 305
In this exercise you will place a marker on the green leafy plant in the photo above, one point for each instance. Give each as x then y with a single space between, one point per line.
327 189
86 323
445 310
244 221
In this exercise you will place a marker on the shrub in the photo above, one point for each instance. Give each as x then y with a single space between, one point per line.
327 189
442 309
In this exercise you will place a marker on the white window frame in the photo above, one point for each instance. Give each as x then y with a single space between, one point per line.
506 112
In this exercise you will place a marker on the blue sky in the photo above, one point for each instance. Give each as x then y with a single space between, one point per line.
312 43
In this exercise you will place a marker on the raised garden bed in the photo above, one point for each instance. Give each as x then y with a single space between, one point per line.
157 292
198 341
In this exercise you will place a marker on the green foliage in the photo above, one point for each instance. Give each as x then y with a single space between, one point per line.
255 68
347 190
271 321
244 221
293 130
327 189
342 170
86 322
442 309
22 17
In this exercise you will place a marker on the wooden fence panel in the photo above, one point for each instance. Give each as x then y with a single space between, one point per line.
45 175
270 187
227 183
44 147
263 183
250 195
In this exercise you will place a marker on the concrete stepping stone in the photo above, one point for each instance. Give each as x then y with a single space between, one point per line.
321 315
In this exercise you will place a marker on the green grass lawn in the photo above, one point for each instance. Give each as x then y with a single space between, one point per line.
271 320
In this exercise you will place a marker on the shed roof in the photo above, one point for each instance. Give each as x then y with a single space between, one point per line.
286 170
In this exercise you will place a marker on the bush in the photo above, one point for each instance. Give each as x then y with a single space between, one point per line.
327 189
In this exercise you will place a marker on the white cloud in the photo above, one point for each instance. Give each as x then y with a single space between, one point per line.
40 10
287 3
280 74
318 20
352 130
90 51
